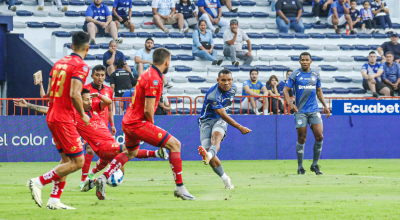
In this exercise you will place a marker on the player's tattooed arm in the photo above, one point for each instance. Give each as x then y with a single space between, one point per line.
222 113
320 96
24 104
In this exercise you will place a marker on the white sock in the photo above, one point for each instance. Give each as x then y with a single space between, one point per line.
37 181
53 200
256 111
317 18
224 177
209 155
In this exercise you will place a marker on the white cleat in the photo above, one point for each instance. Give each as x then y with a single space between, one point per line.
100 184
119 40
89 184
36 192
162 153
228 184
204 155
58 205
181 192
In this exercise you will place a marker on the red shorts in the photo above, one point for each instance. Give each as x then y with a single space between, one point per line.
108 150
66 138
148 133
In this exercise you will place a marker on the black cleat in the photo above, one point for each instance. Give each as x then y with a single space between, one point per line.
301 171
316 169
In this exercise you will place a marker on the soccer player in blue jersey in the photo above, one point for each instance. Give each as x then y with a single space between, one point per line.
122 14
213 122
306 84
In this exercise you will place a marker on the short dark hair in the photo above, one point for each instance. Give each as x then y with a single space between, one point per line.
224 71
202 21
79 40
84 91
353 1
98 68
134 82
389 52
305 54
372 52
289 71
149 39
365 2
160 55
119 63
188 2
112 41
253 70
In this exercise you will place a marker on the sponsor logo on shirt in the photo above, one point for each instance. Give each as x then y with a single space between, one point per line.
155 82
307 87
313 78
85 68
159 135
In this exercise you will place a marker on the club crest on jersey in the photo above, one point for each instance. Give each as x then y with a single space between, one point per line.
301 78
95 113
106 94
73 148
159 135
155 82
313 78
215 103
85 68
299 122
154 92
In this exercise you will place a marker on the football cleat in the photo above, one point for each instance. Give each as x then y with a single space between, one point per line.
316 169
87 185
203 154
301 171
36 192
82 184
181 192
100 184
91 176
228 184
162 153
58 205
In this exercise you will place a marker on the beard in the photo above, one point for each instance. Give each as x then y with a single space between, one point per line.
147 48
166 70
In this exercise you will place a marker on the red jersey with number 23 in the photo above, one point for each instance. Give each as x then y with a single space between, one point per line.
104 90
150 85
70 67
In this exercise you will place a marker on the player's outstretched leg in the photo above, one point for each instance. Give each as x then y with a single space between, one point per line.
216 165
317 130
86 166
160 153
301 141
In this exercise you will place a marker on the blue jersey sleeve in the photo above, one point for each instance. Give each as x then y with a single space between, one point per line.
380 66
290 82
246 83
89 12
201 3
269 88
107 11
319 82
365 67
218 4
177 8
193 7
130 4
115 4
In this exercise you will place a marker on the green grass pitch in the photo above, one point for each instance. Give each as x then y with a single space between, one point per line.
349 189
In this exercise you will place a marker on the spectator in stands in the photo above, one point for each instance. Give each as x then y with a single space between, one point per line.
233 42
228 4
122 14
163 106
339 14
60 7
288 15
111 56
283 83
120 82
355 15
211 12
371 72
320 8
367 18
391 45
273 3
129 93
381 13
11 5
99 21
188 9
272 87
144 58
164 13
203 44
391 73
254 87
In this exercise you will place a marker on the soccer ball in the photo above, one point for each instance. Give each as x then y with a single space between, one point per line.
116 179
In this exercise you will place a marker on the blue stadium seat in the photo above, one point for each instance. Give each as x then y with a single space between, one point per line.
264 68
295 57
374 47
188 46
204 90
306 14
72 14
108 3
82 13
326 90
137 14
183 69
236 100
254 35
232 68
364 36
51 25
88 2
360 58
236 110
235 3
247 3
198 111
195 79
340 90
283 47
157 46
173 57
356 90
299 47
317 35
268 47
244 111
17 2
316 58
343 79
361 47
160 35
90 57
139 3
99 56
260 15
172 46
245 14
78 3
24 13
302 36
379 36
280 68
176 35
246 68
307 26
221 35
61 34
229 14
351 36
286 36
189 35
319 26
185 57
148 14
346 47
396 25
128 34
149 3
253 47
270 35
182 111
68 45
144 34
218 46
328 68
175 100
35 24
67 2
333 36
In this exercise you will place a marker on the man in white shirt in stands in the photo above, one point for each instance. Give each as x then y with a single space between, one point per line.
233 42
164 13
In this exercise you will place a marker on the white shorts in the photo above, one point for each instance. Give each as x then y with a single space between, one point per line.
245 104
342 20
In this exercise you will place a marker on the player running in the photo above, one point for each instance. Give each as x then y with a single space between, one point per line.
138 124
306 84
213 121
67 79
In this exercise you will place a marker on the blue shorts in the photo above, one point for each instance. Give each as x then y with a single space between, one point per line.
100 29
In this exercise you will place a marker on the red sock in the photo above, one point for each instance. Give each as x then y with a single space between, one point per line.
86 166
142 154
176 165
115 164
49 177
58 188
100 164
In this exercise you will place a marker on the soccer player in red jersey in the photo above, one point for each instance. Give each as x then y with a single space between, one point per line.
138 125
67 79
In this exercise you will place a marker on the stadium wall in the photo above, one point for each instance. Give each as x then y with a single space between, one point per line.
27 138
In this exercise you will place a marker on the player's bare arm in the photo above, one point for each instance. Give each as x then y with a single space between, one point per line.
111 119
149 109
49 88
105 101
222 113
292 106
75 93
320 96
24 104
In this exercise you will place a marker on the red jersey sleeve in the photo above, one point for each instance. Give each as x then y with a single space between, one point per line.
96 106
81 72
152 88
